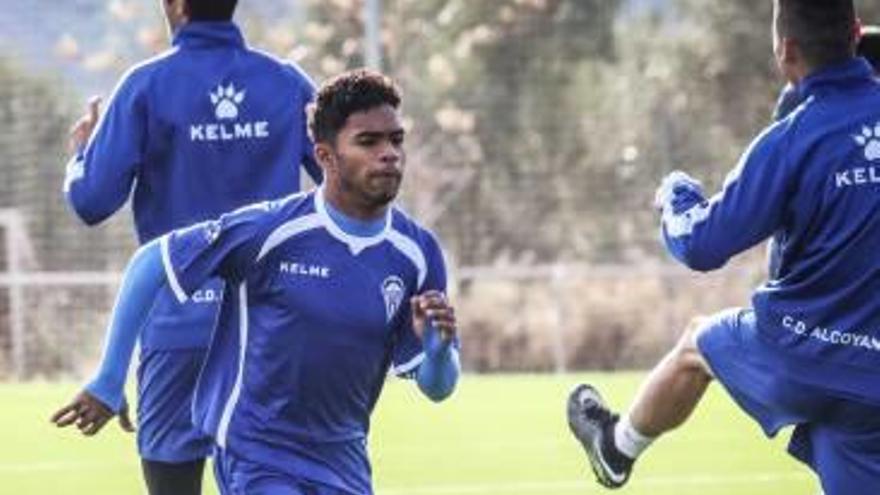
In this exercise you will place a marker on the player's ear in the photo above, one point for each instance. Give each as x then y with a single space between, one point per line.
184 11
325 155
787 49
790 57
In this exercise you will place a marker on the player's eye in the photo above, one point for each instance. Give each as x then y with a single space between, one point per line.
367 141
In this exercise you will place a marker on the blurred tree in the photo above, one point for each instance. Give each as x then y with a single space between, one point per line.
539 128
36 114
491 89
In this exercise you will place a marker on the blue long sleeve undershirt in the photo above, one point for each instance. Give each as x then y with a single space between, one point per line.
438 373
145 276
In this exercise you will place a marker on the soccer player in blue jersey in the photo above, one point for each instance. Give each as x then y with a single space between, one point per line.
790 98
206 127
324 293
807 351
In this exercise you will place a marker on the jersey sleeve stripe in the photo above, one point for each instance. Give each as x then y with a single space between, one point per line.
169 270
288 230
229 408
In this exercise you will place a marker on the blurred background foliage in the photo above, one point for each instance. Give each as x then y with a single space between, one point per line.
539 130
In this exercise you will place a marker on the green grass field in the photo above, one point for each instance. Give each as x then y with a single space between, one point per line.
499 435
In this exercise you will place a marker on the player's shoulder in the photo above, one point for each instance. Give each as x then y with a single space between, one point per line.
288 70
137 78
285 219
266 215
146 68
406 227
826 119
778 136
280 210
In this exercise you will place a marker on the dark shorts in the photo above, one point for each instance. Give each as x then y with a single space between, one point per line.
236 476
166 382
838 438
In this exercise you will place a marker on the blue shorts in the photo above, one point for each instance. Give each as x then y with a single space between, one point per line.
237 476
838 438
166 381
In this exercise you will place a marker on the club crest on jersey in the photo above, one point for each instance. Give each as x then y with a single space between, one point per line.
227 102
393 290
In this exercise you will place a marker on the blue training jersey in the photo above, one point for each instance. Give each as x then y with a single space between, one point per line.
204 128
312 319
814 179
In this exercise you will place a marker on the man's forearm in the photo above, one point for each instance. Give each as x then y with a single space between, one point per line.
438 373
143 279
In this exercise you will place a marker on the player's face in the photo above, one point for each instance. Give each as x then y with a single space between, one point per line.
366 166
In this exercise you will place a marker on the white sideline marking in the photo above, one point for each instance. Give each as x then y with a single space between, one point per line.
575 486
578 486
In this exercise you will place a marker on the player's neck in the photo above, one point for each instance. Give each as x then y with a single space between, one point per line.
361 223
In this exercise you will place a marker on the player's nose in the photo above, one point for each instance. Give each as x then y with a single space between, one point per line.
391 156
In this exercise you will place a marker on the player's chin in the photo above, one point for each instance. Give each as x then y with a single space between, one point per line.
384 193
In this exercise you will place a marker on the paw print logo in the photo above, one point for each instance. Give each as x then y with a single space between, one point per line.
869 139
226 101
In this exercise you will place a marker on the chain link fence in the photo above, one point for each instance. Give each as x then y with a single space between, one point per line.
538 131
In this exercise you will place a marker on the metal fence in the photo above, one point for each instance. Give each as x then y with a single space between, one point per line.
538 132
516 318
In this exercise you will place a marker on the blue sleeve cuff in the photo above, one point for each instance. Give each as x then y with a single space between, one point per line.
438 374
109 391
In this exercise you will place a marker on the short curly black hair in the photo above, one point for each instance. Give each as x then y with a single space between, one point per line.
823 29
211 10
350 92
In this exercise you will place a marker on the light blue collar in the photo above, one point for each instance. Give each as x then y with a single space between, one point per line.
357 234
353 226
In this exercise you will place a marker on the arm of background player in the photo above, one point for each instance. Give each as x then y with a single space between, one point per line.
141 283
104 396
100 176
438 374
705 234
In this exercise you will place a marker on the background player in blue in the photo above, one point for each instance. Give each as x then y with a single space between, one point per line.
868 47
325 292
807 352
790 98
206 127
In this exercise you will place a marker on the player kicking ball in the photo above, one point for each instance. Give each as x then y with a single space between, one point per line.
807 351
325 293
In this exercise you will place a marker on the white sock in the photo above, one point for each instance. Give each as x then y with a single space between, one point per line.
628 440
